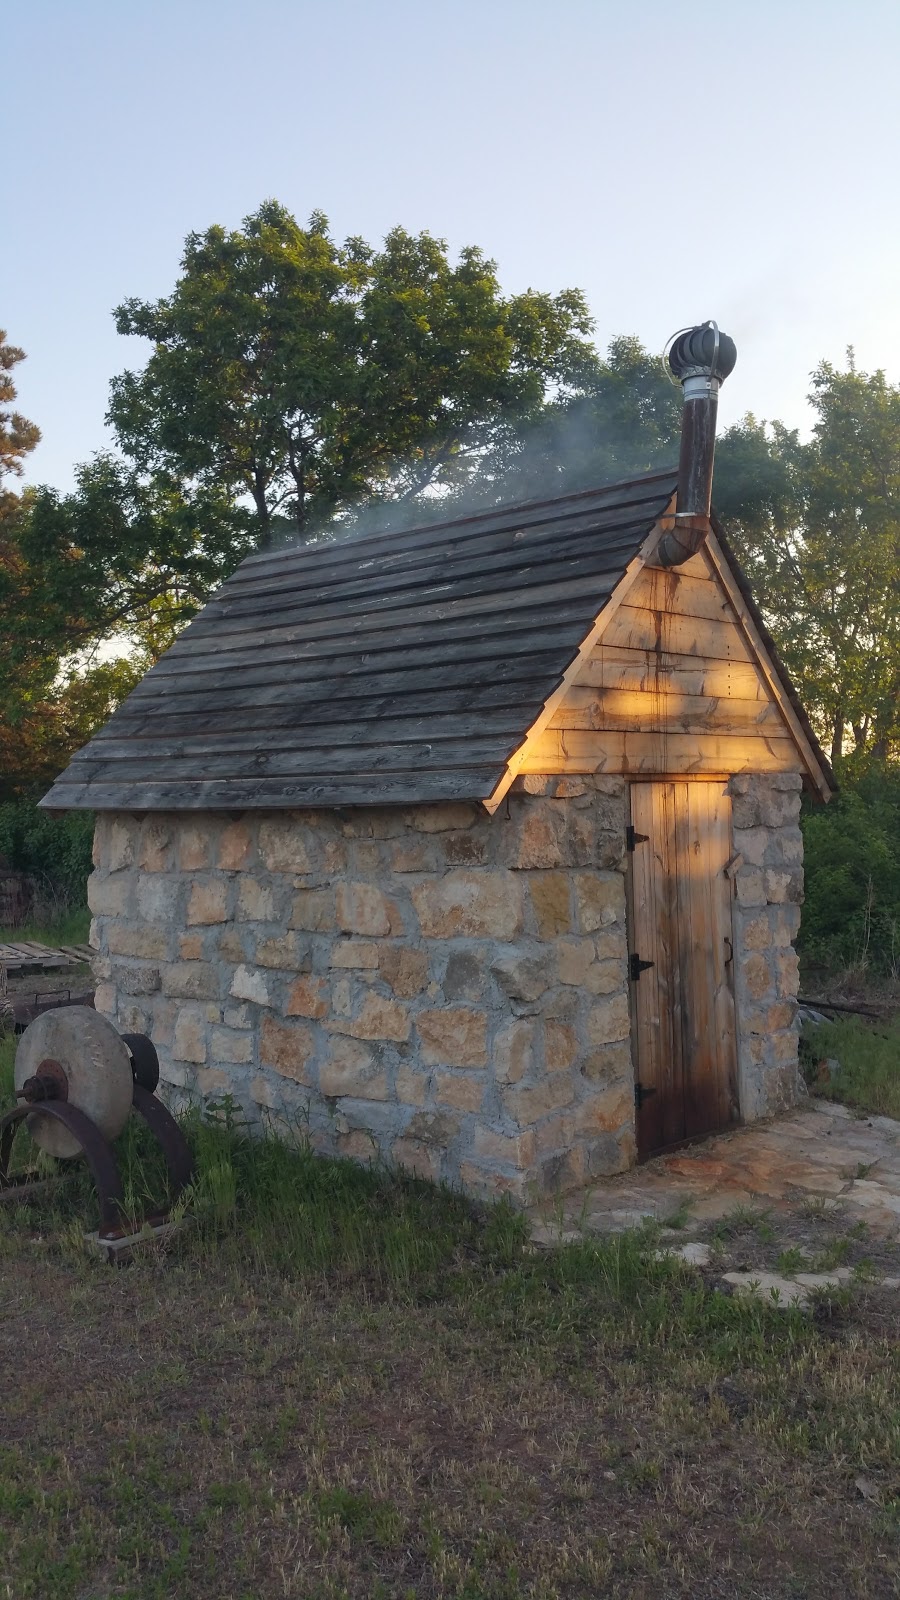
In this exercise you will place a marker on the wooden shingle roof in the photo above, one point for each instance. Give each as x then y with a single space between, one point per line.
399 667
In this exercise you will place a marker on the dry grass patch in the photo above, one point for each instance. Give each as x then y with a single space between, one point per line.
347 1384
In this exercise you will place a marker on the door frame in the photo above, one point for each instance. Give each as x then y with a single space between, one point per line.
735 1083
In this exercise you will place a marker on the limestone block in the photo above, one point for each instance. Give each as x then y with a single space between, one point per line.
212 1080
195 847
489 1184
554 1133
465 849
95 933
264 1091
757 933
191 980
411 1085
249 985
362 908
313 910
606 977
422 1160
228 1044
599 900
255 900
138 980
358 1144
351 1070
606 1111
461 1091
282 845
403 969
287 1046
750 887
757 977
105 999
190 946
434 1127
355 953
522 972
470 904
785 923
560 1046
464 976
121 843
539 837
308 997
235 847
610 944
514 1150
784 886
574 959
365 857
342 998
783 1047
562 1172
787 973
108 897
208 902
237 1017
133 1018
190 1035
767 1019
171 1074
453 1036
790 841
513 1051
527 1103
162 1031
156 851
378 1019
136 939
608 1020
285 953
231 944
445 818
417 856
752 844
567 788
609 1153
551 901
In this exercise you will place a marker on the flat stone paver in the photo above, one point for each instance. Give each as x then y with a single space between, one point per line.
821 1155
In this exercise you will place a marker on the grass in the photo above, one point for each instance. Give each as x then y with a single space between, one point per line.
342 1384
69 927
869 1056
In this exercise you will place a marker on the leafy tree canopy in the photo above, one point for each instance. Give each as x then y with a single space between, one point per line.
306 375
18 436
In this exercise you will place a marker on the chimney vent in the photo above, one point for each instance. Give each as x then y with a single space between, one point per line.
700 359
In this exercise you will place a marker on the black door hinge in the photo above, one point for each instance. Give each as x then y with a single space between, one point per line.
632 838
641 1093
636 966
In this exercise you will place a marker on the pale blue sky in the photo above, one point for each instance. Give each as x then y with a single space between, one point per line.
675 159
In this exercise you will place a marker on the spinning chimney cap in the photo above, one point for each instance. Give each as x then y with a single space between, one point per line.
701 352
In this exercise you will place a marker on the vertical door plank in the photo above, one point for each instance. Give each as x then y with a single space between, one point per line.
652 934
696 959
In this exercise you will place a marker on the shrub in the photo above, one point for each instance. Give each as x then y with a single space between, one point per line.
852 912
56 850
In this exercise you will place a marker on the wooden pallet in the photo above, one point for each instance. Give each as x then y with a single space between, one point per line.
29 957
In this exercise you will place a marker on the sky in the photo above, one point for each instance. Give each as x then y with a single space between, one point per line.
674 159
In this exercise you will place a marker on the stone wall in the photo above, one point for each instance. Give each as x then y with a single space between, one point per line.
768 883
425 984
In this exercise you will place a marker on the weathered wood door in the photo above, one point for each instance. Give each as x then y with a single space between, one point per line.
680 921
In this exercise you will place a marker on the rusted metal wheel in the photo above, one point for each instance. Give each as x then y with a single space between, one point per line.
144 1060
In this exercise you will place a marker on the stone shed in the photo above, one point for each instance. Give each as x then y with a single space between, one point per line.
473 847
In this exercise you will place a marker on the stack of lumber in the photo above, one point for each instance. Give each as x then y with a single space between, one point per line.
29 957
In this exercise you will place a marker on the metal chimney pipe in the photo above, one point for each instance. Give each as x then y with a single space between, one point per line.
700 359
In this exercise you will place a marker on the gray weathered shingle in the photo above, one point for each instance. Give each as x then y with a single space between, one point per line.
395 667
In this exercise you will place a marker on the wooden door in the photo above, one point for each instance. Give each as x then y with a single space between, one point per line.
680 922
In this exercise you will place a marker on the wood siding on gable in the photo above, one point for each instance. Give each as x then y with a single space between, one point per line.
672 686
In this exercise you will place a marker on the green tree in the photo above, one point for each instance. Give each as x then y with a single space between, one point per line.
305 376
817 526
18 436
